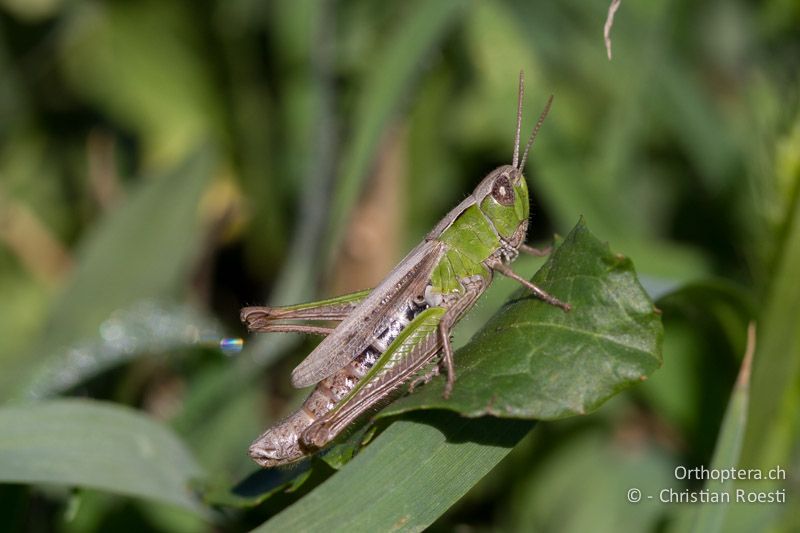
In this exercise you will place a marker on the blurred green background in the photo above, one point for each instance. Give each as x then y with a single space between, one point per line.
164 163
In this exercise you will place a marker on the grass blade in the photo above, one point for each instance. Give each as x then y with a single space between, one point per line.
709 517
407 478
95 445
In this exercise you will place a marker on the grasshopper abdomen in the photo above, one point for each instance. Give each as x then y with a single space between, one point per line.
283 443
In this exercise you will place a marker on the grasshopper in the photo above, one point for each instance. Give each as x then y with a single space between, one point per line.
401 329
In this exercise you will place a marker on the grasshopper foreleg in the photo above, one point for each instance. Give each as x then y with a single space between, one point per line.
539 292
536 252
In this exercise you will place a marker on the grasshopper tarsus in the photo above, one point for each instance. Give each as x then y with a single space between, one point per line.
564 306
448 389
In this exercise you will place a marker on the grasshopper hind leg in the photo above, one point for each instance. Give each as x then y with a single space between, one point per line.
272 319
447 358
425 378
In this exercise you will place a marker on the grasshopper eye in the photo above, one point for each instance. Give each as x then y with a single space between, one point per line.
502 191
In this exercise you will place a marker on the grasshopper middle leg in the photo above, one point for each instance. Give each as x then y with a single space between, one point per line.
474 288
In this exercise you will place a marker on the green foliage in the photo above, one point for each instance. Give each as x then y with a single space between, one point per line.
383 89
138 257
594 469
97 445
163 164
710 516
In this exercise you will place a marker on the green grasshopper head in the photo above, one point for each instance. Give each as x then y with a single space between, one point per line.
503 194
503 198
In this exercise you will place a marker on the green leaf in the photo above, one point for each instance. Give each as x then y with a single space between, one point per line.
141 254
407 478
95 445
533 360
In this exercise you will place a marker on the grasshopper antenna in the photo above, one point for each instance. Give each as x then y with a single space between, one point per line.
535 131
520 94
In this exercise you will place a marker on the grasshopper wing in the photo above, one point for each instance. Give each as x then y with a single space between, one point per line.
356 332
